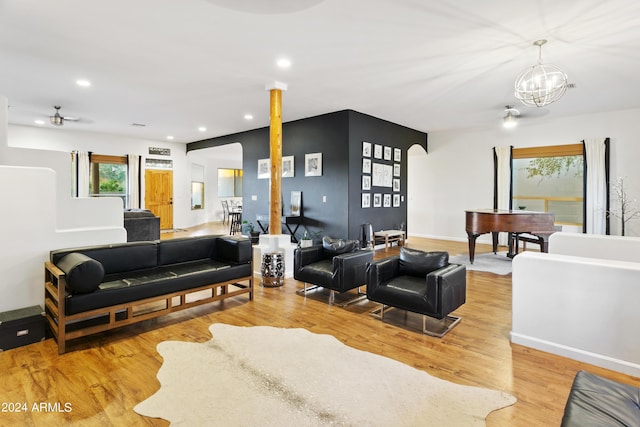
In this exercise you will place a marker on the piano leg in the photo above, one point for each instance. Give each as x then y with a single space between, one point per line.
514 242
494 236
472 245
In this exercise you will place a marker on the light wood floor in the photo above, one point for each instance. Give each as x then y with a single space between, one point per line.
104 376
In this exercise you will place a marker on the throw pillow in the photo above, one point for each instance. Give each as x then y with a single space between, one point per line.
84 274
419 263
338 246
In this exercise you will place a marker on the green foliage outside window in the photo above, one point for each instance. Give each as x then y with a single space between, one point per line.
548 167
112 178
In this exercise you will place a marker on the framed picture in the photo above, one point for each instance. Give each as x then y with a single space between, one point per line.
296 203
313 164
366 200
377 151
366 165
366 182
397 155
377 200
396 184
288 167
396 200
387 153
396 169
264 168
366 149
381 175
386 202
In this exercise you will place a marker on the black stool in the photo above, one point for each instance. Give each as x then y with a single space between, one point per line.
236 222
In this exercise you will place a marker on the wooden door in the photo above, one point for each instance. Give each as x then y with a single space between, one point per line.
158 195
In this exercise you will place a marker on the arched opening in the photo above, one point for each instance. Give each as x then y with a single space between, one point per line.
417 201
205 166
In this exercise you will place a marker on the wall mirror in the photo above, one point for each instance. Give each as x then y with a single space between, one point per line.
229 182
197 195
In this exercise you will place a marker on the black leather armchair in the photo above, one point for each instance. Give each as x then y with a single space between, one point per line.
337 265
420 282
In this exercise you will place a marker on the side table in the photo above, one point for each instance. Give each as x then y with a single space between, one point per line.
272 269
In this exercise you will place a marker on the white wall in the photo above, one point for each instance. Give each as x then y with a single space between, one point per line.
457 173
51 147
582 308
30 216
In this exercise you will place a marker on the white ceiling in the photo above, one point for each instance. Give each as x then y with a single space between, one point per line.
426 64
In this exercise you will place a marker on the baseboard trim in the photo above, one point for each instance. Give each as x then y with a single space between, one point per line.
596 359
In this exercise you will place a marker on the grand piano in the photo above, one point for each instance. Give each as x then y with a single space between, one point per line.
515 222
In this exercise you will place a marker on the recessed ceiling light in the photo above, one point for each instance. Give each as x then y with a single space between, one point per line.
83 83
202 129
170 137
248 117
38 122
284 63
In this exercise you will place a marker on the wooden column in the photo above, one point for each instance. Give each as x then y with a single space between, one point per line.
275 144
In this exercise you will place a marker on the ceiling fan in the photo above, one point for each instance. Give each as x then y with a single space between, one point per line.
511 116
58 120
510 119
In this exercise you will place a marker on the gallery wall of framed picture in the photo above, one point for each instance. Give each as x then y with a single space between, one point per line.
312 166
381 175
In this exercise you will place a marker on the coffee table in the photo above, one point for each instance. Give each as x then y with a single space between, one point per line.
390 236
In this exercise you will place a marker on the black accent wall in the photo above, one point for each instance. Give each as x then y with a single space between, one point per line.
338 136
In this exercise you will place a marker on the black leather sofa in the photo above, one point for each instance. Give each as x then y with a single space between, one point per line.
141 225
336 264
420 282
92 289
597 401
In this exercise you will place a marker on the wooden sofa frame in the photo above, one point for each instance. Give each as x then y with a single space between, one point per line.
67 327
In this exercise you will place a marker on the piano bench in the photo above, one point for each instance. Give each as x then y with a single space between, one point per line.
529 238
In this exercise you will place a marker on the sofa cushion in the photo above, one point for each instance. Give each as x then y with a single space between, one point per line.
136 286
334 247
175 251
84 274
419 263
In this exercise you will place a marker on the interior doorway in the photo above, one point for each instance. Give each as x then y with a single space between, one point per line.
158 195
418 202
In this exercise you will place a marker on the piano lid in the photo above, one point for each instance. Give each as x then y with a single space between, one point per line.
504 211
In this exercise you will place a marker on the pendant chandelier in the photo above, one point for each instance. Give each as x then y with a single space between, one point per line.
540 84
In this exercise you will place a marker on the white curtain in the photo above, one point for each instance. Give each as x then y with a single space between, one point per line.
82 162
503 183
596 186
133 184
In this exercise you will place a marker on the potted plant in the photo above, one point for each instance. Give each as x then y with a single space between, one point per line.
247 227
307 238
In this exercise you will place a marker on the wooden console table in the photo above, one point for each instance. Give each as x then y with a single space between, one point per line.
287 220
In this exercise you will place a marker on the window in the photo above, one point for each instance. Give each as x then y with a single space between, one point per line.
108 177
550 179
